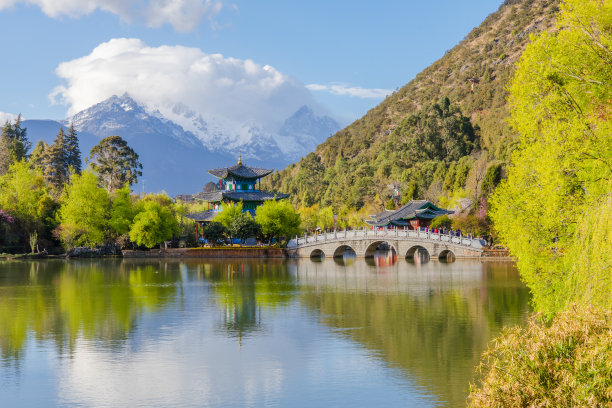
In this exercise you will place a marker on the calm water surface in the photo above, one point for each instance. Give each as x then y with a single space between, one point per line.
248 333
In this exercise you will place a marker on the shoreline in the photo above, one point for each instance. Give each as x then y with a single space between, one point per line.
202 253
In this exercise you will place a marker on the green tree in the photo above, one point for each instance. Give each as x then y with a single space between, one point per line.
23 195
228 212
55 163
243 226
278 218
14 144
309 216
22 191
560 99
122 211
411 192
153 225
442 221
37 157
491 179
326 218
470 224
214 233
83 214
115 163
73 153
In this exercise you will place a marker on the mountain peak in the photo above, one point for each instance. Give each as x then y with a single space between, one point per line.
124 102
305 122
304 111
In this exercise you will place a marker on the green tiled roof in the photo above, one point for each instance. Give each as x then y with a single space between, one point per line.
421 209
219 195
240 171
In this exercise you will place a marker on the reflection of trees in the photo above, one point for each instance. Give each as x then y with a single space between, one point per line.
432 321
65 301
436 333
243 288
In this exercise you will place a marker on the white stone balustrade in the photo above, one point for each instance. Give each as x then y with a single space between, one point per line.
394 233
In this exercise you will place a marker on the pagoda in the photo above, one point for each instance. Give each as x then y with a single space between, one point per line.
238 183
414 215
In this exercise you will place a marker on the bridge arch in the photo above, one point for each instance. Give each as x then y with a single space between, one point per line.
447 256
369 252
339 251
417 250
317 253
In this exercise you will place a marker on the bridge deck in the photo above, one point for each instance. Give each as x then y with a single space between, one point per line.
390 233
362 241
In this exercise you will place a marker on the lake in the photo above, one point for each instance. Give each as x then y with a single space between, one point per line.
249 333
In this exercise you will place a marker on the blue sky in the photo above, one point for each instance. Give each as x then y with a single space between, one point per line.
345 54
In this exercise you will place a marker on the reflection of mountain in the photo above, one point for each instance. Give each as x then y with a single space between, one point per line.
66 301
433 321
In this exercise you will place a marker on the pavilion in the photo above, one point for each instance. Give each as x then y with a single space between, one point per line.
237 183
415 214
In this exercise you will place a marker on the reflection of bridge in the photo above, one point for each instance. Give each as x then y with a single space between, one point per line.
406 243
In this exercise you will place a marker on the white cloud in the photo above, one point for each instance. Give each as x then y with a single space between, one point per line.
226 89
183 15
6 116
354 91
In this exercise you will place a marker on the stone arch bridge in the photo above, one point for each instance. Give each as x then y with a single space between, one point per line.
405 243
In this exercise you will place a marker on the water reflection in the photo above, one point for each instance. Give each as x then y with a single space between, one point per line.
63 301
408 331
432 320
244 288
418 255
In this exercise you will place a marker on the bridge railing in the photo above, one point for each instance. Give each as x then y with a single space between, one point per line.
389 233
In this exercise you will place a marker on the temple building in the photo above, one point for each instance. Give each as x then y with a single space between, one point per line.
236 183
416 214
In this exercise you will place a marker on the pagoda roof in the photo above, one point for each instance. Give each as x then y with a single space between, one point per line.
202 216
240 171
421 209
219 195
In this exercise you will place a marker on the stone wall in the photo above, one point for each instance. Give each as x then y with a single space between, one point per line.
220 252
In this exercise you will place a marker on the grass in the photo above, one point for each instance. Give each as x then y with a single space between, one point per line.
565 363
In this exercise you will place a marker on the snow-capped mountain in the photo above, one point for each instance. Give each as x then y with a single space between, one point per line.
125 117
298 135
309 128
176 146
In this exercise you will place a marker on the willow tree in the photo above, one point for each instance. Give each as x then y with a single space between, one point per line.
560 175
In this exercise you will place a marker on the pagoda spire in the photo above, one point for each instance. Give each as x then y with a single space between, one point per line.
239 157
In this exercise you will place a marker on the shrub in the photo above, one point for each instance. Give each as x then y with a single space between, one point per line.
471 224
442 221
562 364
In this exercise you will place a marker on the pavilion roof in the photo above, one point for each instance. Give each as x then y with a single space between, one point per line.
202 216
240 171
234 195
422 209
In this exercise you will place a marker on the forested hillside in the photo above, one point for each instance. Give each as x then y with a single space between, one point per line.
444 136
